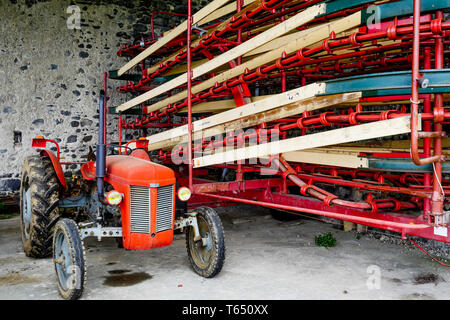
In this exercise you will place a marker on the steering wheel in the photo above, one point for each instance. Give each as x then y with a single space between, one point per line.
115 149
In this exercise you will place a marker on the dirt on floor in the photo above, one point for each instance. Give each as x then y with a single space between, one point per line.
265 259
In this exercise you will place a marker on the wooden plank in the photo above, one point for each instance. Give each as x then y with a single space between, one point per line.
280 29
353 133
248 7
327 158
278 42
358 150
394 144
220 105
271 102
195 42
325 151
305 38
271 45
285 111
219 13
181 68
274 32
156 66
267 116
349 226
282 41
212 106
202 13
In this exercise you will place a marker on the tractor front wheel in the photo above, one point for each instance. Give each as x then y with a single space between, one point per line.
69 259
207 254
39 196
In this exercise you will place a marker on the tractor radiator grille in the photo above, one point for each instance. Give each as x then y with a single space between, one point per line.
140 209
164 208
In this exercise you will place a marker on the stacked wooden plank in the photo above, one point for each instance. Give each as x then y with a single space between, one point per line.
300 30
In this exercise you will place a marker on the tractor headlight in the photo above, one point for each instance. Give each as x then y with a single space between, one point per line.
184 194
114 198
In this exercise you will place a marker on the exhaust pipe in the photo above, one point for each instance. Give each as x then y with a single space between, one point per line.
101 148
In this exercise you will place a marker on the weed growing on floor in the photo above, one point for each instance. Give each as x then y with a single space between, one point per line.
325 240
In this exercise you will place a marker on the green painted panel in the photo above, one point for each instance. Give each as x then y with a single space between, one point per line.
113 74
404 8
403 165
135 111
398 82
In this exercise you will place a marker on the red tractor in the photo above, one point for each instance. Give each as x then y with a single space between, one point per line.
123 195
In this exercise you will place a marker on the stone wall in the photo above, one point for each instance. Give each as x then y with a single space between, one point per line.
50 75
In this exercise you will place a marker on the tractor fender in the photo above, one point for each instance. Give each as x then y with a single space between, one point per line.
141 154
56 165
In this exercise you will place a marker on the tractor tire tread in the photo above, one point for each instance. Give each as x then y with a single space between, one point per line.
44 187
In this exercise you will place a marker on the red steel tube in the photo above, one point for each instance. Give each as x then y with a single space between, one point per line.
239 4
355 173
415 92
163 12
366 185
340 216
213 37
437 200
427 128
189 93
330 198
253 76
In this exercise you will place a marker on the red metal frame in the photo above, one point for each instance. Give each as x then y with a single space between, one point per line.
301 58
305 187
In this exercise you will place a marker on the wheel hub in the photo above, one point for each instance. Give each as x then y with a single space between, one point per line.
62 260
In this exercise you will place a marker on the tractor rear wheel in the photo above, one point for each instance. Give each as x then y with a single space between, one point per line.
39 195
206 255
69 258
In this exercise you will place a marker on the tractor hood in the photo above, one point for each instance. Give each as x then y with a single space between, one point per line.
131 171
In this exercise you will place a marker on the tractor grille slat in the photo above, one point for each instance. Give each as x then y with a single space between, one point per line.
139 209
164 208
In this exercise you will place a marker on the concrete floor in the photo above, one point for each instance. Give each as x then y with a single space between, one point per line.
264 260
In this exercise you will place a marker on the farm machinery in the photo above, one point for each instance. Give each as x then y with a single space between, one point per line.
124 195
330 108
333 109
